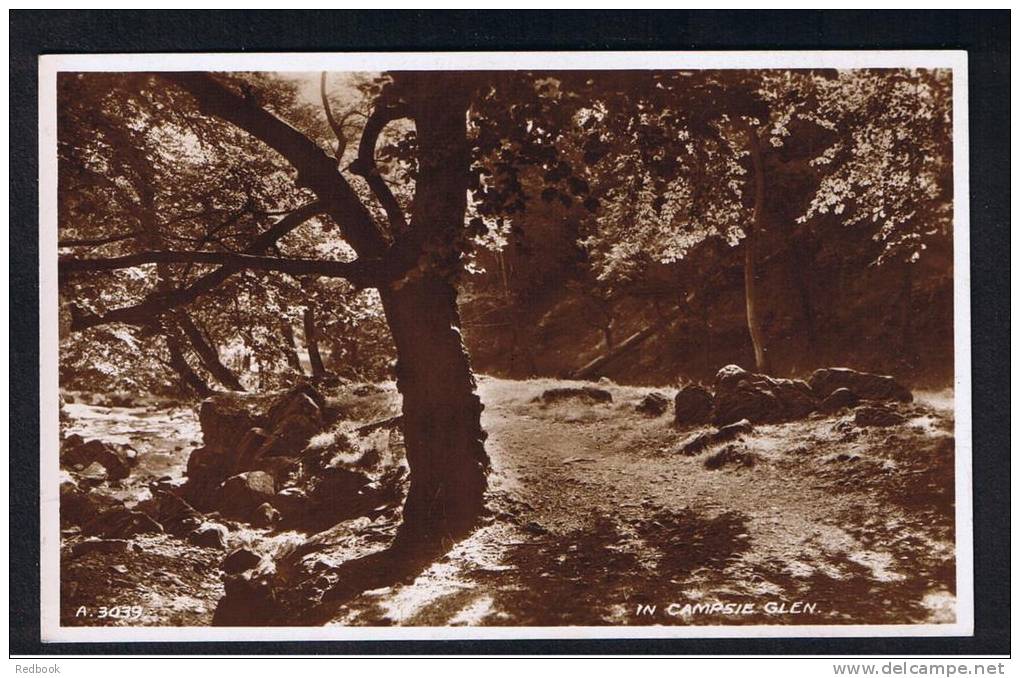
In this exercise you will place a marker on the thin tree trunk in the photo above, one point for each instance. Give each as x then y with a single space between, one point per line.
290 348
312 343
209 356
180 365
441 411
761 361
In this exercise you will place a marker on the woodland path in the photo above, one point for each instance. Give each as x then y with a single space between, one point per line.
599 514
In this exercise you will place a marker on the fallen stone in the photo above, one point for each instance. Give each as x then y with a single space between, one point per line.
94 474
586 394
866 385
209 535
99 546
207 469
265 516
732 431
239 561
246 601
696 445
302 400
118 460
702 441
291 502
249 449
731 455
653 405
877 415
839 399
241 494
225 418
693 406
78 506
120 523
176 515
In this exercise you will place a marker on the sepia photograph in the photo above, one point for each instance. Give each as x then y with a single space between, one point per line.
505 345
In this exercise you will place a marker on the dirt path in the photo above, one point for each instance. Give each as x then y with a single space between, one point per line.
598 514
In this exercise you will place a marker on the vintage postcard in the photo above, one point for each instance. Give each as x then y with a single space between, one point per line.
505 345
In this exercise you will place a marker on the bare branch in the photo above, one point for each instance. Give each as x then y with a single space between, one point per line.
366 167
338 130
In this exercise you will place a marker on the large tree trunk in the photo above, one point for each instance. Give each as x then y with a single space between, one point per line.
209 356
441 411
761 360
312 343
441 415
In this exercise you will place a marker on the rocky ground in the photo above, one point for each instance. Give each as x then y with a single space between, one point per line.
768 503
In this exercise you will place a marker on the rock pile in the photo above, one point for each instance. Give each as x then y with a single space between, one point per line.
761 399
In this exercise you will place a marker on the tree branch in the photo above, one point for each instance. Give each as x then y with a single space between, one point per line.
356 270
159 303
315 169
365 165
95 242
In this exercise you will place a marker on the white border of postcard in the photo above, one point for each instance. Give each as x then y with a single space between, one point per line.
49 66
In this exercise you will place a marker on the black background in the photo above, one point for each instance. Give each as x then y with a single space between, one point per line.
984 34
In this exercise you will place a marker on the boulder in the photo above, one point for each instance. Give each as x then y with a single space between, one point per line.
693 406
247 601
696 445
866 385
209 535
265 516
653 405
704 440
241 494
732 431
207 469
587 394
225 419
78 506
291 435
99 546
120 522
839 399
175 514
94 474
249 449
239 561
283 469
877 415
118 460
302 400
731 455
760 399
291 502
